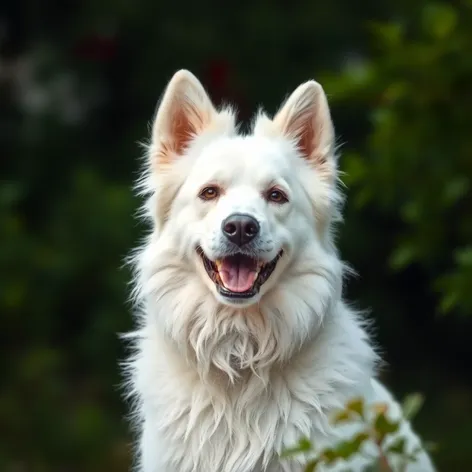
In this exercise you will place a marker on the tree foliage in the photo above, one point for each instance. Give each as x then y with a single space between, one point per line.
415 166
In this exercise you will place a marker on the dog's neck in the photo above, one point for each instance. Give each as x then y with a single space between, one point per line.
336 361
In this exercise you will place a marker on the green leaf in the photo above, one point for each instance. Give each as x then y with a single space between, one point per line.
388 35
356 405
397 447
304 445
411 405
403 256
463 256
449 301
311 466
383 426
345 449
343 416
329 455
359 439
439 20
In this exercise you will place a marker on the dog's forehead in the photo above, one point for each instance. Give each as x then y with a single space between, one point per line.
247 159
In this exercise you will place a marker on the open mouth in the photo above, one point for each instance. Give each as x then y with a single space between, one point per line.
238 276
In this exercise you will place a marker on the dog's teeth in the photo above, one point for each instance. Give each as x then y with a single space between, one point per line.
259 267
218 264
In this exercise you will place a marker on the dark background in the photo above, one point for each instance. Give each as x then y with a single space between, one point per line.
79 82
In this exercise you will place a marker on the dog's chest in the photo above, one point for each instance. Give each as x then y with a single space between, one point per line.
244 430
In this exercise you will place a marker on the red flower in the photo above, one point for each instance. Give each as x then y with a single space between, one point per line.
218 79
96 48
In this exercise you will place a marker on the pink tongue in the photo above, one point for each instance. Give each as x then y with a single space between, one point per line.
238 275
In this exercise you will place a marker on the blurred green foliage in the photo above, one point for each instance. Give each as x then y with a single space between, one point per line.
377 438
416 164
79 83
60 292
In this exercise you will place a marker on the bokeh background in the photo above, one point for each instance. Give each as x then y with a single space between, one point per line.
79 82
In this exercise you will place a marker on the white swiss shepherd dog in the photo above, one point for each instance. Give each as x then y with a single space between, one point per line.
244 343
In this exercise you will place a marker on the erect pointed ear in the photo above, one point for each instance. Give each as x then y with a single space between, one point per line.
184 112
305 118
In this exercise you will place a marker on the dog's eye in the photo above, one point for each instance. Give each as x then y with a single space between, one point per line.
276 196
209 193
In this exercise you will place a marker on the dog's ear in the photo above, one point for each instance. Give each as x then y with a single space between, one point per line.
305 118
184 112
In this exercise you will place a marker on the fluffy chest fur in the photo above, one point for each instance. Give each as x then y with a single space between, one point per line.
214 423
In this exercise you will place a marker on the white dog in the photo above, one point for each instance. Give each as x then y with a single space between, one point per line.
244 343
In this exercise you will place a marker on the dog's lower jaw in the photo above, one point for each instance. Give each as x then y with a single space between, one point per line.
237 303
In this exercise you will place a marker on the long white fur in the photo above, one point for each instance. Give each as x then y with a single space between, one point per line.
219 387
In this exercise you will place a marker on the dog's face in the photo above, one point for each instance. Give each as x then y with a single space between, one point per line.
241 208
243 213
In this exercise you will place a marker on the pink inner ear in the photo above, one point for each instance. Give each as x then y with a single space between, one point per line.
306 140
309 134
310 146
182 130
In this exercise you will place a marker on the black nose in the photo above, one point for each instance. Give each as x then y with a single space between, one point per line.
240 229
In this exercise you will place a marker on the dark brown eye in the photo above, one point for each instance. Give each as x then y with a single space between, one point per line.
277 196
209 193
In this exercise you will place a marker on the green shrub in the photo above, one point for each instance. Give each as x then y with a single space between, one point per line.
377 430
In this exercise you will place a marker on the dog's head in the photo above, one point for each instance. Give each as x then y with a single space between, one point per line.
242 220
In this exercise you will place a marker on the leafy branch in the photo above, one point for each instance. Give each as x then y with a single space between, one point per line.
377 429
